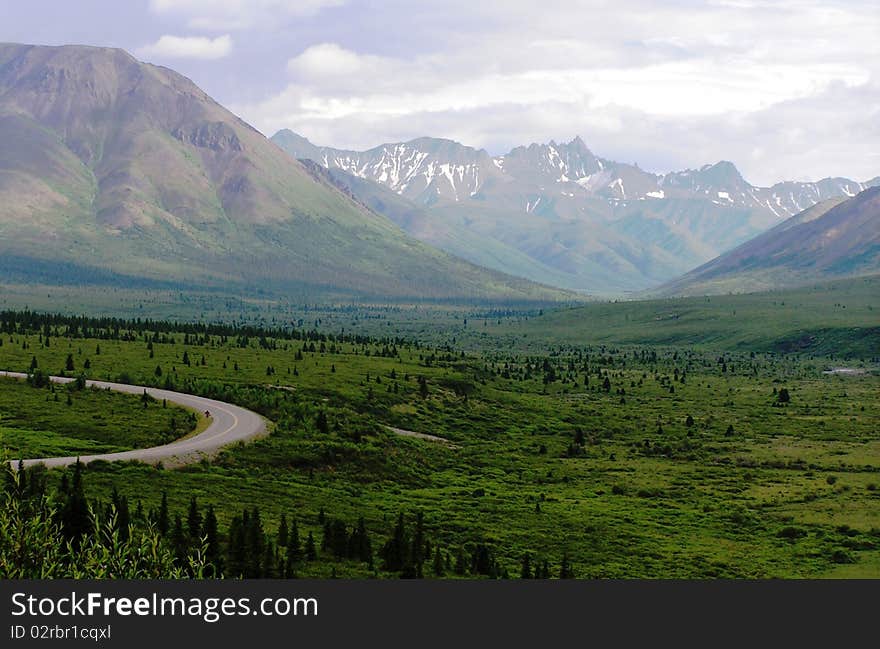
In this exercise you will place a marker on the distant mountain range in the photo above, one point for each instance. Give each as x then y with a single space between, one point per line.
116 170
836 238
559 214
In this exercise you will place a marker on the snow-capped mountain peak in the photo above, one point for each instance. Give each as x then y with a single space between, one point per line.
431 170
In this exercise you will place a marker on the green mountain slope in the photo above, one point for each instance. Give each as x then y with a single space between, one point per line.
558 213
834 239
112 167
836 318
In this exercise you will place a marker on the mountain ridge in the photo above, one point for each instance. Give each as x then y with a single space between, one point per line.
585 221
115 165
835 239
713 174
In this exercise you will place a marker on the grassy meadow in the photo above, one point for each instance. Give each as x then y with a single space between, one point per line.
61 420
613 460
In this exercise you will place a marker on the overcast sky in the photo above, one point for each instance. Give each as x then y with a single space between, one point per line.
786 89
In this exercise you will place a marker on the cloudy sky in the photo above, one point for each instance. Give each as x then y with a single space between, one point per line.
786 89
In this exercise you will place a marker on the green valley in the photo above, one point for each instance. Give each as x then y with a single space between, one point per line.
598 459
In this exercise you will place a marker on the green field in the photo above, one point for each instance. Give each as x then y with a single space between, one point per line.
839 319
617 460
59 420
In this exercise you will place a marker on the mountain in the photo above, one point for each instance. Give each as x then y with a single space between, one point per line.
834 239
558 213
113 168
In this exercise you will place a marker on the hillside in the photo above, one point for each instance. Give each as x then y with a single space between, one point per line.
837 318
116 170
559 213
834 239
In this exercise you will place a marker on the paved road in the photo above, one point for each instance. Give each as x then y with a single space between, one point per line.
229 424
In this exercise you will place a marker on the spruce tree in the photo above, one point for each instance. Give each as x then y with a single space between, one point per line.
438 567
283 532
565 569
75 519
311 553
193 521
526 570
162 524
417 557
123 518
212 543
255 542
321 423
294 547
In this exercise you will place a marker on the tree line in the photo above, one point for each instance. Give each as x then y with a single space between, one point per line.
60 532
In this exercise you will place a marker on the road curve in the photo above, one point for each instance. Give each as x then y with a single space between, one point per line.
229 424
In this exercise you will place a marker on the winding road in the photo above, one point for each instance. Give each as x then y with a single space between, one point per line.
229 424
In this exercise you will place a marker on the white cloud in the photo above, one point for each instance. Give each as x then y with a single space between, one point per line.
770 85
237 14
188 47
319 62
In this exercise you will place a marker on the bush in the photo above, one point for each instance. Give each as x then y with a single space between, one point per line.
32 546
791 533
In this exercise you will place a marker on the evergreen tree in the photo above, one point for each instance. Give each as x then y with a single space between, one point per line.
193 521
162 523
75 519
294 547
526 570
361 548
438 566
255 545
283 532
545 570
460 562
119 506
311 553
321 423
236 548
565 569
212 543
269 562
396 552
294 554
418 545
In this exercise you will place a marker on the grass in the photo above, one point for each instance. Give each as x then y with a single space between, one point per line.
41 423
837 319
752 489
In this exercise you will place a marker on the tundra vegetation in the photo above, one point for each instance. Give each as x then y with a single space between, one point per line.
564 456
